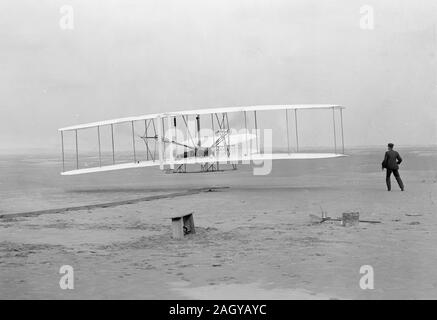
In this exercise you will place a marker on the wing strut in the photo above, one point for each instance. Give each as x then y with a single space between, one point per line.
335 136
198 130
146 127
245 126
77 151
112 140
100 150
160 151
297 137
342 136
133 141
214 139
228 131
288 134
154 131
256 133
63 156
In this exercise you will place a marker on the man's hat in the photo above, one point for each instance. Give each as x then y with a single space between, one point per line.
390 145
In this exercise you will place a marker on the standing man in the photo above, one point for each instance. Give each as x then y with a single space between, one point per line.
391 162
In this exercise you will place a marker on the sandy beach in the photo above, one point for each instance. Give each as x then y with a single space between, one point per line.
254 234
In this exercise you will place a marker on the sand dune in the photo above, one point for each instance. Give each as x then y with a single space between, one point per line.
254 239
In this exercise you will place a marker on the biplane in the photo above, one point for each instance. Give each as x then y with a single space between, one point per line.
204 137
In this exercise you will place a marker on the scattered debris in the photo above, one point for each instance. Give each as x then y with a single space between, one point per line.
317 219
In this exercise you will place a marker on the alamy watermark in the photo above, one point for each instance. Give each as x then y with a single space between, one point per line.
66 22
367 18
67 280
367 280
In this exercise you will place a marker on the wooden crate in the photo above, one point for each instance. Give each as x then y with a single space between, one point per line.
350 219
182 225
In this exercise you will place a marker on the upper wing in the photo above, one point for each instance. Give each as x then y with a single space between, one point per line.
257 108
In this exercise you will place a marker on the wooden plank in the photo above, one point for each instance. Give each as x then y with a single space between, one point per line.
177 228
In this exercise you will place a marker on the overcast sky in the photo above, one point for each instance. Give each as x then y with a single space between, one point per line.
133 57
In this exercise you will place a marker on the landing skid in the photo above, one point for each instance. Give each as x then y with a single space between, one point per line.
207 167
